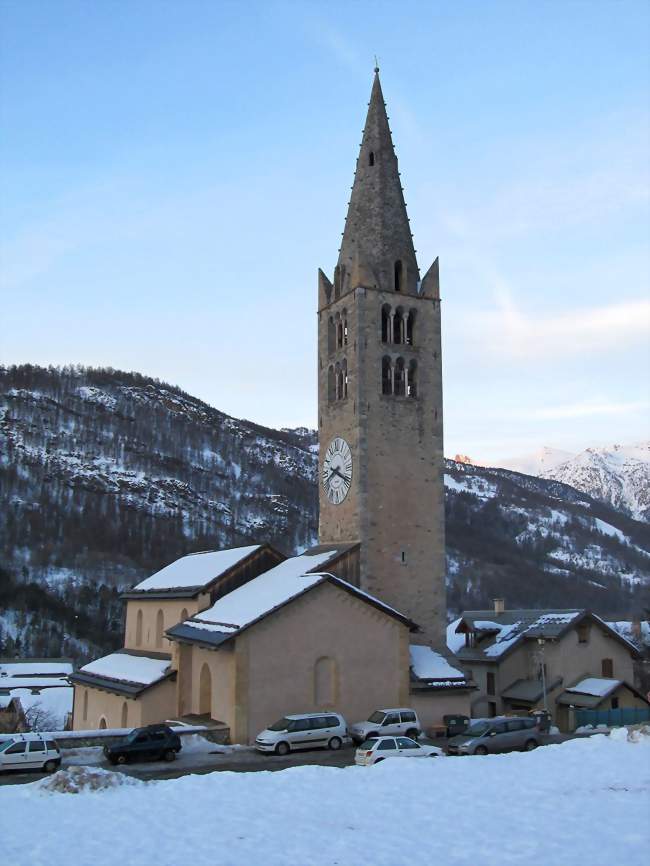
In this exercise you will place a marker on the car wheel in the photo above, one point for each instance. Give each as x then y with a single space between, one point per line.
121 759
282 749
169 755
530 745
413 734
49 766
335 744
480 750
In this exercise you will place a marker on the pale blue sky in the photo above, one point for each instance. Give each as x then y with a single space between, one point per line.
174 173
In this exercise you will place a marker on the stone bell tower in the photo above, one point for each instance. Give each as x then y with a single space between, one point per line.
380 394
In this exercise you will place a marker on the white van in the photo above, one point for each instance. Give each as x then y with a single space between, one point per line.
304 731
29 752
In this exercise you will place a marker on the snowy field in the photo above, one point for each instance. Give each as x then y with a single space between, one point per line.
584 801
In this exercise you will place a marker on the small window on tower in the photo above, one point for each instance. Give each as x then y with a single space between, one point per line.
403 557
398 276
371 158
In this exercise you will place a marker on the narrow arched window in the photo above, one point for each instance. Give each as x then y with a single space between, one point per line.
344 321
386 376
412 385
339 333
371 158
138 628
102 724
344 374
205 691
125 715
331 335
160 627
331 384
398 276
184 614
385 324
398 326
85 704
399 387
410 327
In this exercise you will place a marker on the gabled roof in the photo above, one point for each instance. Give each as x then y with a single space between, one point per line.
196 572
529 691
497 634
589 692
127 672
265 594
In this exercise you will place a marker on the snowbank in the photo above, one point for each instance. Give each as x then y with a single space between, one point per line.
582 801
80 780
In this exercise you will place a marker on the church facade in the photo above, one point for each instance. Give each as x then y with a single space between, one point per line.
244 636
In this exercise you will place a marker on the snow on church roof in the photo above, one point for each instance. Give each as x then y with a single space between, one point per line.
195 569
264 593
255 599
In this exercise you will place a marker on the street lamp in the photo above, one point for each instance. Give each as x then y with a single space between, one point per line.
541 641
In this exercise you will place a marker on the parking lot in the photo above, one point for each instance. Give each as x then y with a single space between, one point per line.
203 757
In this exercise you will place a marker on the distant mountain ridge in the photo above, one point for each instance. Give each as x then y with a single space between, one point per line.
618 474
107 476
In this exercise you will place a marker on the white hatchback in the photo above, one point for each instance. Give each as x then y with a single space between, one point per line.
29 752
377 749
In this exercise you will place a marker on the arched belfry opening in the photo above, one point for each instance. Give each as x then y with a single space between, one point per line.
386 376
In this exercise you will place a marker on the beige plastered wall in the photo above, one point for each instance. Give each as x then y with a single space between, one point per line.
172 610
432 706
154 705
272 669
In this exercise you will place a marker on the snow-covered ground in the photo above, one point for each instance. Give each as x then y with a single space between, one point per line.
583 801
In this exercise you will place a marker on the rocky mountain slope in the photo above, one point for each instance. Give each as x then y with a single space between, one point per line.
106 476
618 475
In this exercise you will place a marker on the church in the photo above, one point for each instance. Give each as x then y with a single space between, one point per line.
244 636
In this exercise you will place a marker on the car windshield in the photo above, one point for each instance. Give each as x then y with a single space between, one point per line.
477 729
368 744
4 744
377 717
280 725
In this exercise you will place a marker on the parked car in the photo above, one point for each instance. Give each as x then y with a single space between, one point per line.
153 742
496 735
29 751
400 721
304 731
377 749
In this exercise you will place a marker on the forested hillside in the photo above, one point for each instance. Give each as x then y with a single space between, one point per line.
106 476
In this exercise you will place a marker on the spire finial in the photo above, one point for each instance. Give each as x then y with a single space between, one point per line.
376 65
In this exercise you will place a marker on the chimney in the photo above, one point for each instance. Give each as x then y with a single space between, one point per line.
499 605
635 629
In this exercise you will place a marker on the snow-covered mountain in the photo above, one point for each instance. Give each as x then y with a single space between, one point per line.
616 474
107 476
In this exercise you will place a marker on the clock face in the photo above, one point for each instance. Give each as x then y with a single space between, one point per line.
337 470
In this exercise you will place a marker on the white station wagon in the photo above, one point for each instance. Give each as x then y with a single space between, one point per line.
378 749
29 752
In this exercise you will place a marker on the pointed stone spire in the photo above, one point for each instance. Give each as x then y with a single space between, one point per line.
377 240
